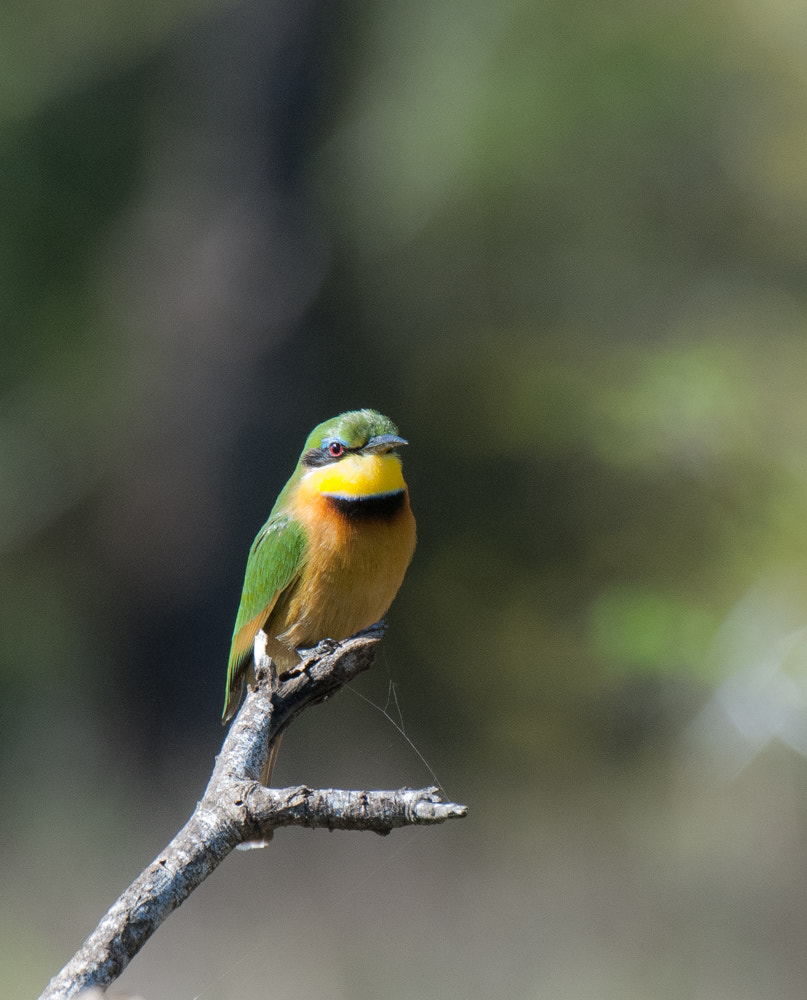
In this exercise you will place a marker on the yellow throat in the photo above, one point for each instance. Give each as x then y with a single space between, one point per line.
356 476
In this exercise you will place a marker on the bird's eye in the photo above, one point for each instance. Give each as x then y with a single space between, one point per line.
335 449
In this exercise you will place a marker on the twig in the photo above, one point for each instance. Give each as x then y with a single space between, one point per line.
236 808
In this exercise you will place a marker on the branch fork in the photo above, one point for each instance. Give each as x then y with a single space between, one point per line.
236 808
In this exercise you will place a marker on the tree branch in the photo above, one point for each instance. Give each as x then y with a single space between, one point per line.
236 808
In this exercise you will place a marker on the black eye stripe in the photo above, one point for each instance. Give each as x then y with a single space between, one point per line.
316 457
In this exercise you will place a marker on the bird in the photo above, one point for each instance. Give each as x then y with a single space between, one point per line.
333 553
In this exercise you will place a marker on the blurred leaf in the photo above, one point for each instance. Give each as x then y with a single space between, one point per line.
635 628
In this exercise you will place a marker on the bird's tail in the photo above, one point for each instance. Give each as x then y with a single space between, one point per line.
269 767
265 779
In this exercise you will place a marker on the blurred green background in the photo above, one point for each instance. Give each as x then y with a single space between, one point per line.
564 246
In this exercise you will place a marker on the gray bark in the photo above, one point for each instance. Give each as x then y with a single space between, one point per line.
236 808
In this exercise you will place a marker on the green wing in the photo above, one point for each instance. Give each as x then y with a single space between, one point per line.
274 564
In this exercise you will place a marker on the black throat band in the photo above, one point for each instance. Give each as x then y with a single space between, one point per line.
379 506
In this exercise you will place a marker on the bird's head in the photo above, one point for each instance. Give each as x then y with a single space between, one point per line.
353 455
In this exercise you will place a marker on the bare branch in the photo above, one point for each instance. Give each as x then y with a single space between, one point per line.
236 808
335 809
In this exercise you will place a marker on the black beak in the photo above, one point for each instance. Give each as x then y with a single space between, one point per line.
383 443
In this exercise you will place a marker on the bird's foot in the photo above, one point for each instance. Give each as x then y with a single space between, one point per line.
326 646
322 648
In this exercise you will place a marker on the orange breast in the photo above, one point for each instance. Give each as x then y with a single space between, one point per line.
354 568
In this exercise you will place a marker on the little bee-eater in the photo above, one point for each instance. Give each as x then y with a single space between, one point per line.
332 555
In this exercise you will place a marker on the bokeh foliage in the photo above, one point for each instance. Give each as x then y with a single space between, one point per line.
563 245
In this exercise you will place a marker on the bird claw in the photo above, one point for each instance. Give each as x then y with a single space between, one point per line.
322 648
326 646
